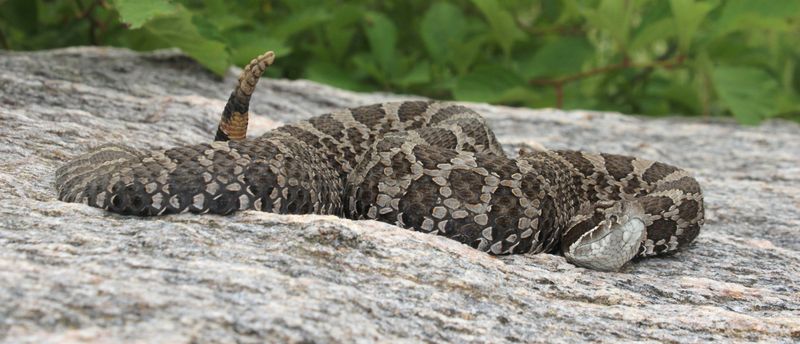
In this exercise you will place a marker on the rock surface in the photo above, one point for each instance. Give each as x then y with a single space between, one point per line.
71 273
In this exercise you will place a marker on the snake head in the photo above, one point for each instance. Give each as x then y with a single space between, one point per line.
607 237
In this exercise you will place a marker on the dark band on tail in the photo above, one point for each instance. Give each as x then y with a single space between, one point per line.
233 123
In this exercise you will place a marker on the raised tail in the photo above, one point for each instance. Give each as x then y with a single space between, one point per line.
128 181
233 123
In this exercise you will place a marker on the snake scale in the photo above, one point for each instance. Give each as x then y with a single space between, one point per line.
428 166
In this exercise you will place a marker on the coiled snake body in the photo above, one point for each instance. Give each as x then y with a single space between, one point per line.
428 166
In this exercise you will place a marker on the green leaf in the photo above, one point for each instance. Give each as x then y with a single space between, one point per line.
332 74
614 17
419 74
487 84
246 46
339 32
558 58
222 14
382 37
442 27
22 14
788 102
748 92
504 27
366 63
206 28
178 30
576 96
465 53
688 16
299 22
137 12
746 15
686 97
653 32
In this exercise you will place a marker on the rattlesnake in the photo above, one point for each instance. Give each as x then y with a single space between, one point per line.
429 166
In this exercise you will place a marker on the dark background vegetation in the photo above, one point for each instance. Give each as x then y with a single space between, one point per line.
697 58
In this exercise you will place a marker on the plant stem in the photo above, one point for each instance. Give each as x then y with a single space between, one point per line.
558 84
88 13
4 41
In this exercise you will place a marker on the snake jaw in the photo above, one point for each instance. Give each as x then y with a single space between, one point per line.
612 242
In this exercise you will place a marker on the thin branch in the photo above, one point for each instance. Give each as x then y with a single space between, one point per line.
645 72
704 96
559 95
4 41
558 84
87 12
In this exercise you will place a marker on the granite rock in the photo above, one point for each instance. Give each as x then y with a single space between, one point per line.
72 273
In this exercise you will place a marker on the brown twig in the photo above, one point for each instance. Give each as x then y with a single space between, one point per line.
704 96
87 12
641 77
558 84
4 41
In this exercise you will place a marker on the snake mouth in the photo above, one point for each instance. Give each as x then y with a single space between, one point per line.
609 245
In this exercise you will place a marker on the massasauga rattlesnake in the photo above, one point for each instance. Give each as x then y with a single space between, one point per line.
434 167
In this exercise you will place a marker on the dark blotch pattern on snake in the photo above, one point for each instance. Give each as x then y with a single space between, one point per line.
428 166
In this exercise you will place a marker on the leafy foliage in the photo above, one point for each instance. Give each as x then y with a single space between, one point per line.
689 57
